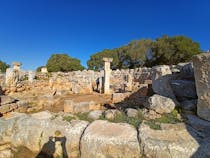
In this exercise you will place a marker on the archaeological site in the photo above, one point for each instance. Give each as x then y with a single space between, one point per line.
158 112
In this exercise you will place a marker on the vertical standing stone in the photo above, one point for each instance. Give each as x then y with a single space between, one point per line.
201 65
101 81
31 76
12 77
107 72
129 82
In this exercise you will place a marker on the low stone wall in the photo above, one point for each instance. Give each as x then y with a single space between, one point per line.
79 82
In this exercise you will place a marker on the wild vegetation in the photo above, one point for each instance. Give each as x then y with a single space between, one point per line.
63 63
3 66
146 52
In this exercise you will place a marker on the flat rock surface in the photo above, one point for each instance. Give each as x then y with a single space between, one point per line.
173 140
39 134
106 139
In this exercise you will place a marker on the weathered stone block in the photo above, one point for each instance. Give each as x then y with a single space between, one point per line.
161 76
106 139
202 78
119 97
160 104
173 140
68 106
184 89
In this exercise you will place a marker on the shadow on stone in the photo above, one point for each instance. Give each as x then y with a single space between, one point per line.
55 147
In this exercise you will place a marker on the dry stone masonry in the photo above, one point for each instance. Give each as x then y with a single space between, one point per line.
202 77
138 118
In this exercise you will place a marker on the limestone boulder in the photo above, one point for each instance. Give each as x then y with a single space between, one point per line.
173 140
36 133
106 139
80 107
187 69
120 97
160 104
7 153
131 112
184 89
4 99
110 114
202 78
95 114
161 76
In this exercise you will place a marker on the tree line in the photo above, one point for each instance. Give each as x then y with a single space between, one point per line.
145 52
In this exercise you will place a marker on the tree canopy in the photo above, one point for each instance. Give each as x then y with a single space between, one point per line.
172 50
128 56
63 63
146 52
3 66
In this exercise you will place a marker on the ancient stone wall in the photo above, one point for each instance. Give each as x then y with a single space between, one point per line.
78 82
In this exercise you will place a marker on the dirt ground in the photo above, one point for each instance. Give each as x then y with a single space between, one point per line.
96 97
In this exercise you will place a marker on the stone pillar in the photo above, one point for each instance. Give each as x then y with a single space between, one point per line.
101 81
201 65
129 82
31 76
16 65
107 72
12 77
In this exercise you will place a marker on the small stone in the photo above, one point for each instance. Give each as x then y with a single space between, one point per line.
111 114
95 115
131 112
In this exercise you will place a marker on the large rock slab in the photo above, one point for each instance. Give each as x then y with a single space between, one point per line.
161 76
173 140
80 107
184 89
103 139
202 77
160 104
38 134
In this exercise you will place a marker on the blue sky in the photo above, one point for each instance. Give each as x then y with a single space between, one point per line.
32 30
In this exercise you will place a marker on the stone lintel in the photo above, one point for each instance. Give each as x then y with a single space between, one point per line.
105 59
16 63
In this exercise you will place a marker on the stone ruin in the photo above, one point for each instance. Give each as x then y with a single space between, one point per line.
44 70
176 82
155 91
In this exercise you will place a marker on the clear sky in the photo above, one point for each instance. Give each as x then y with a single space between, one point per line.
32 30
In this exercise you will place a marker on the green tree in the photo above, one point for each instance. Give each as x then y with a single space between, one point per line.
128 56
3 66
63 63
133 54
96 60
172 50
